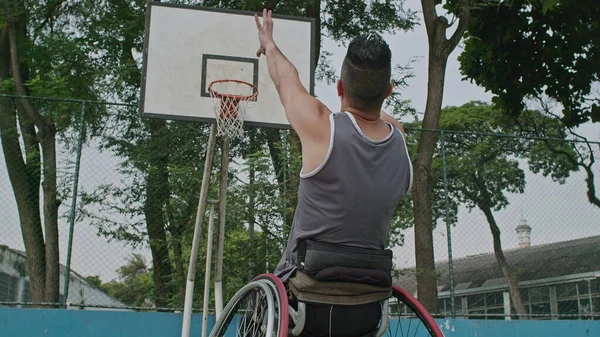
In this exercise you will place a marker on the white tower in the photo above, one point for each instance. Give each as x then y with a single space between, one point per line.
523 233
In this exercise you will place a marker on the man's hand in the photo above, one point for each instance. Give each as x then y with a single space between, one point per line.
265 32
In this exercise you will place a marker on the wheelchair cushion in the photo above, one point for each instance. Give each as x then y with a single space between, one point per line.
306 289
354 275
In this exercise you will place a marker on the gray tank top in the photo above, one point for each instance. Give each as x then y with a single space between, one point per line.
351 197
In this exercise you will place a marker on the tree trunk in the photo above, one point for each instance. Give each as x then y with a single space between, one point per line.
51 204
26 195
157 194
292 183
251 204
424 250
42 258
287 176
176 230
251 222
179 265
157 185
439 49
179 268
511 278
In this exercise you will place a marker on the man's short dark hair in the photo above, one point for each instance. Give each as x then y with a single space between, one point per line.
366 72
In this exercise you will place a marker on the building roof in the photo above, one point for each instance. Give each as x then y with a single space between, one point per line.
530 263
62 268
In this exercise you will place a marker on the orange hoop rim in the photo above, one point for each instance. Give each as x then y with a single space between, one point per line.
233 97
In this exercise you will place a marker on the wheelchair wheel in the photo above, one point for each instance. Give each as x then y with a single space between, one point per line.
281 303
249 313
408 317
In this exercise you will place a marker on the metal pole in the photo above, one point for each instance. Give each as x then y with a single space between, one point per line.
191 276
221 241
448 227
207 267
74 202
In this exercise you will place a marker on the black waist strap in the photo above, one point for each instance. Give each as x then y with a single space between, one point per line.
315 256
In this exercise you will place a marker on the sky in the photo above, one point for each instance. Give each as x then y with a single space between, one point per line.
555 212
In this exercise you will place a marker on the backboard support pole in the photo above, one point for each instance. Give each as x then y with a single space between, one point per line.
209 248
222 214
189 287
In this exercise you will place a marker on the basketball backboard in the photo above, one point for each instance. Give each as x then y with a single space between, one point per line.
187 47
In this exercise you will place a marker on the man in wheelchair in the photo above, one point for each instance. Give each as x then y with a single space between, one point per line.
355 170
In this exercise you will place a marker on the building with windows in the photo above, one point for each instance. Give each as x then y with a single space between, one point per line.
557 281
14 284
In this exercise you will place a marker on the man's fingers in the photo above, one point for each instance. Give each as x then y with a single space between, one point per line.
257 20
270 19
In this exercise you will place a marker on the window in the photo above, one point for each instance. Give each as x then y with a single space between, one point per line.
596 304
26 293
476 306
494 303
486 306
8 288
446 305
595 294
566 297
595 287
538 303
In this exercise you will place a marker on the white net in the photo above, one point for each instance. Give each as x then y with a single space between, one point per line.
230 100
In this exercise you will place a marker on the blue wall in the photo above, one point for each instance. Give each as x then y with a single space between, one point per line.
494 328
76 323
81 323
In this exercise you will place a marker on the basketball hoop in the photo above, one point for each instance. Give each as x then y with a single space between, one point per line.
230 100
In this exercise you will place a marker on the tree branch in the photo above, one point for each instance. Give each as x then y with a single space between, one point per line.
463 22
49 13
51 7
591 192
429 15
16 74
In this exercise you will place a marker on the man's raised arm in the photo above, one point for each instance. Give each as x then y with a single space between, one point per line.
303 111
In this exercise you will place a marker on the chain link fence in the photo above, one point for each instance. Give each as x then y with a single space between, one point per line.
521 207
127 189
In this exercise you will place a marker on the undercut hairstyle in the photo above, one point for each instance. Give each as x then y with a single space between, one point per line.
366 72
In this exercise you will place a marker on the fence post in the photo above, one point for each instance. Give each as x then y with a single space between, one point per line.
74 202
448 226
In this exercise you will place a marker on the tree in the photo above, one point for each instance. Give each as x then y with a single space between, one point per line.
579 152
119 43
440 48
482 168
134 287
163 197
528 49
38 56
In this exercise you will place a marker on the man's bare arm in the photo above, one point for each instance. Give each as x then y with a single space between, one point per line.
284 75
304 112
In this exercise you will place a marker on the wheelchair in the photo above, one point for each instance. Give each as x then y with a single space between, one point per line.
261 309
